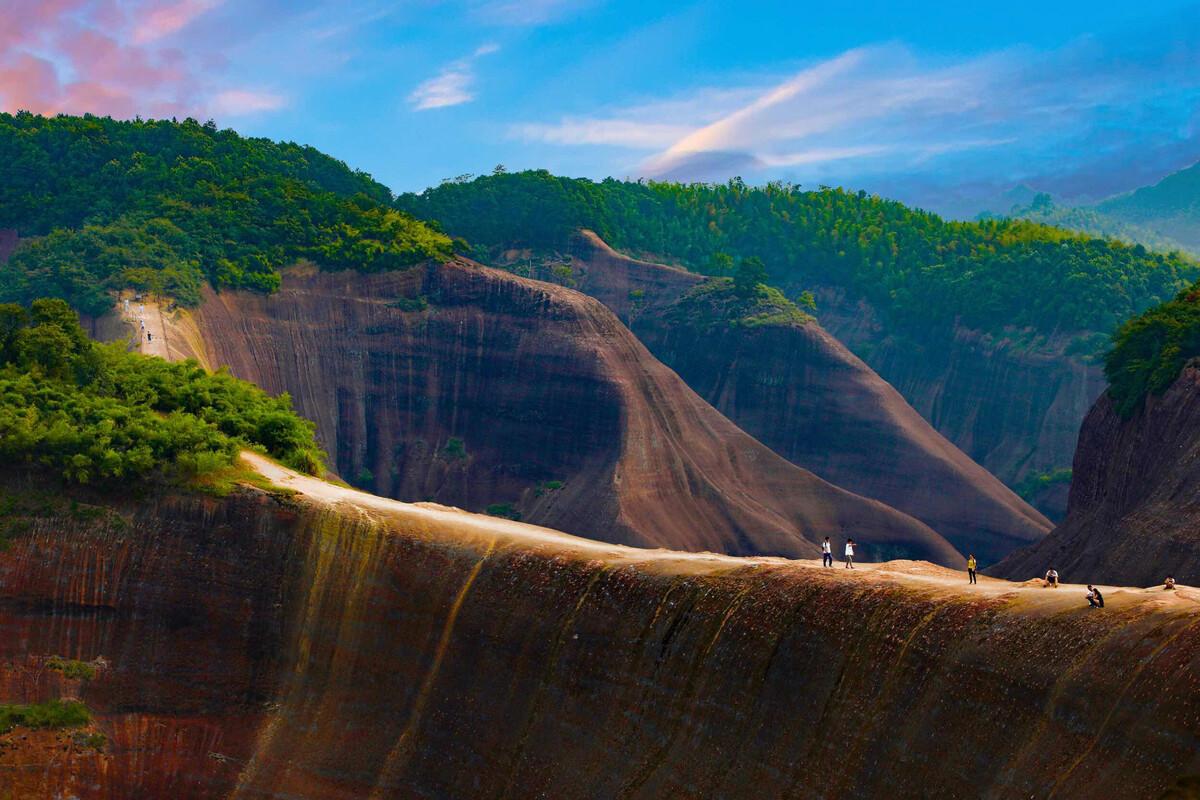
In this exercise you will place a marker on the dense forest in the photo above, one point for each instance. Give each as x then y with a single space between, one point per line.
97 414
918 269
164 206
1149 351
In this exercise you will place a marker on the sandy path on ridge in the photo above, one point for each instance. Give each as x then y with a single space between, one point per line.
1030 595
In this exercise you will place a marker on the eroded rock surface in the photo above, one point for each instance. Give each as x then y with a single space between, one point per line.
336 645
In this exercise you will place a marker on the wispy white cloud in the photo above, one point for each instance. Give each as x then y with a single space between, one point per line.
886 110
241 102
453 86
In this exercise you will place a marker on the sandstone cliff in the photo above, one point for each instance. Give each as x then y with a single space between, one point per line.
1014 406
476 388
1134 508
803 394
336 645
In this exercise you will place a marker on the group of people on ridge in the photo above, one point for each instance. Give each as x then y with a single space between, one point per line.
1094 597
827 553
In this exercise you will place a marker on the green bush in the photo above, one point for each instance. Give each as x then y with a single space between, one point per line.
51 714
454 450
504 510
1150 350
96 413
71 668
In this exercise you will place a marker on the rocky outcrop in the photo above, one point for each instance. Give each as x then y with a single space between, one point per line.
803 394
335 645
476 388
1134 510
1012 405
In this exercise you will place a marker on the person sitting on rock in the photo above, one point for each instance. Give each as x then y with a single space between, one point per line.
1169 584
1095 599
1052 578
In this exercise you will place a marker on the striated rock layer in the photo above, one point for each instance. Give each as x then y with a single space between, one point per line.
336 645
1134 508
475 388
1015 407
803 394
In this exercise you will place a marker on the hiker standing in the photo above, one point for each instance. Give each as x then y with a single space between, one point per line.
971 568
826 553
849 554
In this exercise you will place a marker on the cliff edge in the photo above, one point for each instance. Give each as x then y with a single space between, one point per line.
317 642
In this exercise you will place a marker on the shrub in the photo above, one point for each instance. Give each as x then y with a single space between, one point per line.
51 714
504 510
455 450
98 414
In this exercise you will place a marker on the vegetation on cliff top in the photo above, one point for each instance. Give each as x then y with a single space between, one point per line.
1150 350
96 414
917 268
720 302
164 206
50 714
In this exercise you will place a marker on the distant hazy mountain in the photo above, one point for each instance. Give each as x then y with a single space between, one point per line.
1096 222
1170 207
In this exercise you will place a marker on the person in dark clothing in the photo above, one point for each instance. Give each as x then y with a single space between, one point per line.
826 553
1095 599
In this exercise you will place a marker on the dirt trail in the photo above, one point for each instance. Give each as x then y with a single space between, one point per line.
1030 595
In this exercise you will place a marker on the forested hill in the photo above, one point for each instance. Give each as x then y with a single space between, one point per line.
918 269
165 205
1170 207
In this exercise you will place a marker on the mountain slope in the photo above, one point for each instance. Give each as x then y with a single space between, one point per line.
799 391
477 388
988 329
1133 513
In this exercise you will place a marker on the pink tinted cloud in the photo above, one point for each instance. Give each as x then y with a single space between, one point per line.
170 18
106 57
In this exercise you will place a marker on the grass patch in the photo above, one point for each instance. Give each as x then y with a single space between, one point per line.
71 668
455 449
51 714
223 482
503 510
718 303
418 303
1032 485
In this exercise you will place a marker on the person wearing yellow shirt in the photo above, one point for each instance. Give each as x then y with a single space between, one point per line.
971 567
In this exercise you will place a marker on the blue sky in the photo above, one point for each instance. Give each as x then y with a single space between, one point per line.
941 104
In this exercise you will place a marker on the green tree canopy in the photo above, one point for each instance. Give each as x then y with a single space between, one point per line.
922 272
96 414
164 206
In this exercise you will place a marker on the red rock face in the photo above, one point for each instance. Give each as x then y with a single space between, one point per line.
541 385
1133 517
800 392
1013 407
267 650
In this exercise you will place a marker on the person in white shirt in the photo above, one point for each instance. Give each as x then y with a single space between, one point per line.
849 554
1052 578
826 553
